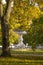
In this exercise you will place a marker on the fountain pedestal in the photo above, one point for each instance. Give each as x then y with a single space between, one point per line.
20 40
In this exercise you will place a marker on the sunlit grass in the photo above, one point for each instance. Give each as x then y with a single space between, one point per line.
15 61
22 58
26 51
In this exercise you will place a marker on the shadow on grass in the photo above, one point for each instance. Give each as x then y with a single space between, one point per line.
23 56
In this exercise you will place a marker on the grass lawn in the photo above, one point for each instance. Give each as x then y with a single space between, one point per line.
15 61
22 58
26 51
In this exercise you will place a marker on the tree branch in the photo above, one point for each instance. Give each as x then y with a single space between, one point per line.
1 8
8 10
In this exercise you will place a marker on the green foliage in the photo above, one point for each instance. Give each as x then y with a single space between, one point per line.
35 33
13 37
21 15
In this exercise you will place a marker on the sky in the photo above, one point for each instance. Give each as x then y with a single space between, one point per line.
3 1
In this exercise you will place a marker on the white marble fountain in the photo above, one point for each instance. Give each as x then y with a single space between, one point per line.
20 39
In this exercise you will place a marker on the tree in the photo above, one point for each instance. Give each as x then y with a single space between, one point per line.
4 19
38 29
34 36
23 15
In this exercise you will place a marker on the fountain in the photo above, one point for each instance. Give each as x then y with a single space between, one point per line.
20 40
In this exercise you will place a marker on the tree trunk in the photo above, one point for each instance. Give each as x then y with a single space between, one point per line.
4 19
5 38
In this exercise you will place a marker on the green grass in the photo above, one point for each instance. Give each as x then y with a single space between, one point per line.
21 58
26 52
15 61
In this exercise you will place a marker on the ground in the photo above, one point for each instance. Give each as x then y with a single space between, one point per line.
23 58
